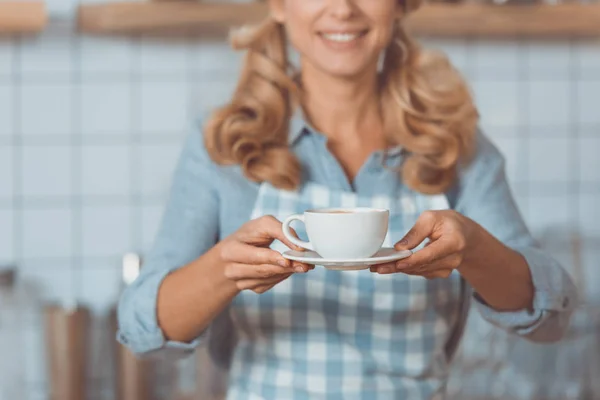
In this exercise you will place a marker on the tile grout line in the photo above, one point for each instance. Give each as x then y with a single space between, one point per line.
575 135
523 127
135 146
121 139
18 217
77 167
578 186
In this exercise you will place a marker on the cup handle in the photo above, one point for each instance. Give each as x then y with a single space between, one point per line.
287 232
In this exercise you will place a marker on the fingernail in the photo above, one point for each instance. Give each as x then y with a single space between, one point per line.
401 265
283 263
300 270
402 243
385 270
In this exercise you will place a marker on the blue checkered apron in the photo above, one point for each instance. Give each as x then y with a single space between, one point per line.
345 335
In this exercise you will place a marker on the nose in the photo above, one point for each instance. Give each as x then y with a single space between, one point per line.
342 9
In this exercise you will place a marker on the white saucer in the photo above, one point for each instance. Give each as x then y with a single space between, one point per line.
384 255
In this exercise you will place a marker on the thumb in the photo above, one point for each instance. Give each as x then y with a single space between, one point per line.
418 233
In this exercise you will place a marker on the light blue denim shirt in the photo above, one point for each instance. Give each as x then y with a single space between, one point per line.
209 202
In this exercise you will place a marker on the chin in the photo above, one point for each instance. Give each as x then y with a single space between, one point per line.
347 70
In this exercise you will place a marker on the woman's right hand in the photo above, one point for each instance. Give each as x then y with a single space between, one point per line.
249 263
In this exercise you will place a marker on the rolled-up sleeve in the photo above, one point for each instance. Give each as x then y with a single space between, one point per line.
189 228
484 196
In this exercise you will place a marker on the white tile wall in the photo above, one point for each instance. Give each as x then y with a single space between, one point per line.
212 57
46 108
164 57
101 298
7 111
587 102
46 171
550 212
457 50
549 159
47 56
106 231
589 215
6 173
498 101
549 103
7 243
106 108
496 60
6 58
212 94
164 107
588 58
59 284
106 56
589 160
105 171
48 233
548 59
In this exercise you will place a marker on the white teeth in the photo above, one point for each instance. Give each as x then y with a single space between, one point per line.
341 37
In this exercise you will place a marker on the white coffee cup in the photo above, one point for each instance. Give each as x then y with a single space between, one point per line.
341 233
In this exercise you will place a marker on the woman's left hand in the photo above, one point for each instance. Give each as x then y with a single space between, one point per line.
452 237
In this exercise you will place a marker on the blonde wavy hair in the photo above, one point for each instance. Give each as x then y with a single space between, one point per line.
427 109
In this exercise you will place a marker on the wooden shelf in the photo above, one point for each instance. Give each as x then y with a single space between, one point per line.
491 21
166 16
22 17
441 20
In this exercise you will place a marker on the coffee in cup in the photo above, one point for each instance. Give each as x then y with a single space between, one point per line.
341 233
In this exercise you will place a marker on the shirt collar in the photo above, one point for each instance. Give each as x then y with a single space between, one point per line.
298 126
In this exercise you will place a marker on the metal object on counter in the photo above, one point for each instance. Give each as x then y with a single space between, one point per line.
7 277
66 330
134 376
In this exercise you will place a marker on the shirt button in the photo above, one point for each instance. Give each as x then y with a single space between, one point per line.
566 302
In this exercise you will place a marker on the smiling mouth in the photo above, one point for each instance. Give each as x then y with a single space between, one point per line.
343 37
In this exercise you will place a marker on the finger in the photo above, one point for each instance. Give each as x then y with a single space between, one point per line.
295 234
265 288
450 263
384 269
248 254
437 250
419 232
441 274
271 227
239 272
301 268
261 285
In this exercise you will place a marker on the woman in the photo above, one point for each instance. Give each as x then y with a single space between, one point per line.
368 119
